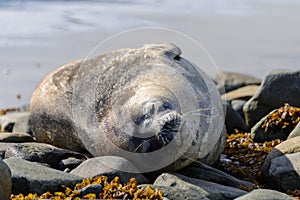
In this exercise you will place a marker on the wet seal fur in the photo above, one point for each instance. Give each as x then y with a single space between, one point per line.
128 103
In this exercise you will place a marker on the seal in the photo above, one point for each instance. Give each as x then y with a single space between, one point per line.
147 104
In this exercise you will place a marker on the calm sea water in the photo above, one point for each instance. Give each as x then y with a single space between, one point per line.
248 36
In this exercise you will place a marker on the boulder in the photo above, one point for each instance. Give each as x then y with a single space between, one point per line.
39 152
265 194
22 124
258 133
295 132
110 166
228 81
174 193
209 189
279 87
234 120
204 172
243 93
28 177
15 137
69 163
7 122
281 169
5 181
237 105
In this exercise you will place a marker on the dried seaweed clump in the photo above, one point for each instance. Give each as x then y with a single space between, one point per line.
285 118
111 190
244 158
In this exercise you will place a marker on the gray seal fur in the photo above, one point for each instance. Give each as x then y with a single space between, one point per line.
130 102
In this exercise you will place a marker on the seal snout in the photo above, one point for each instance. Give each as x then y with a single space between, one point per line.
170 124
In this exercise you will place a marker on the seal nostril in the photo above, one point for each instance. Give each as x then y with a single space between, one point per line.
177 57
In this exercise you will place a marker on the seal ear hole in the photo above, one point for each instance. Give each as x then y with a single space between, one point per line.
177 57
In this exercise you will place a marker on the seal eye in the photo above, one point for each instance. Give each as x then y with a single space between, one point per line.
165 106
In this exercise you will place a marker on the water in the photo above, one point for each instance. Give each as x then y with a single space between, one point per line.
249 36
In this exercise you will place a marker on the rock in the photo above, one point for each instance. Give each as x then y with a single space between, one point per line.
93 189
295 132
8 121
281 169
39 152
28 177
243 93
279 87
110 166
258 133
228 81
5 181
173 193
204 172
209 189
237 105
265 194
234 121
4 147
15 137
69 163
22 124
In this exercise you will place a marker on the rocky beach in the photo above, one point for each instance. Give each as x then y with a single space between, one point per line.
260 158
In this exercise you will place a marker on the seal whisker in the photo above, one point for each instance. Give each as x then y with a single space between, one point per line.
201 109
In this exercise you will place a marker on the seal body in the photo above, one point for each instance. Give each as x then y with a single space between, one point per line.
148 105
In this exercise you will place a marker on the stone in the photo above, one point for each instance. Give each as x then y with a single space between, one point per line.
243 93
279 87
233 120
209 189
173 193
295 132
3 147
22 124
39 152
28 177
110 166
5 181
69 163
265 194
8 121
258 133
237 105
15 137
93 189
281 169
204 172
228 81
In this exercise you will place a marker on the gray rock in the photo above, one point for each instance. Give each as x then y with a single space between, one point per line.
244 93
238 105
8 121
69 163
279 87
39 152
228 81
209 189
91 189
5 181
22 124
281 169
173 193
15 137
234 120
3 147
31 177
110 166
295 132
265 194
258 133
204 172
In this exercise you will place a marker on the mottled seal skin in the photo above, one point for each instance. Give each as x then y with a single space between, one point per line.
129 100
